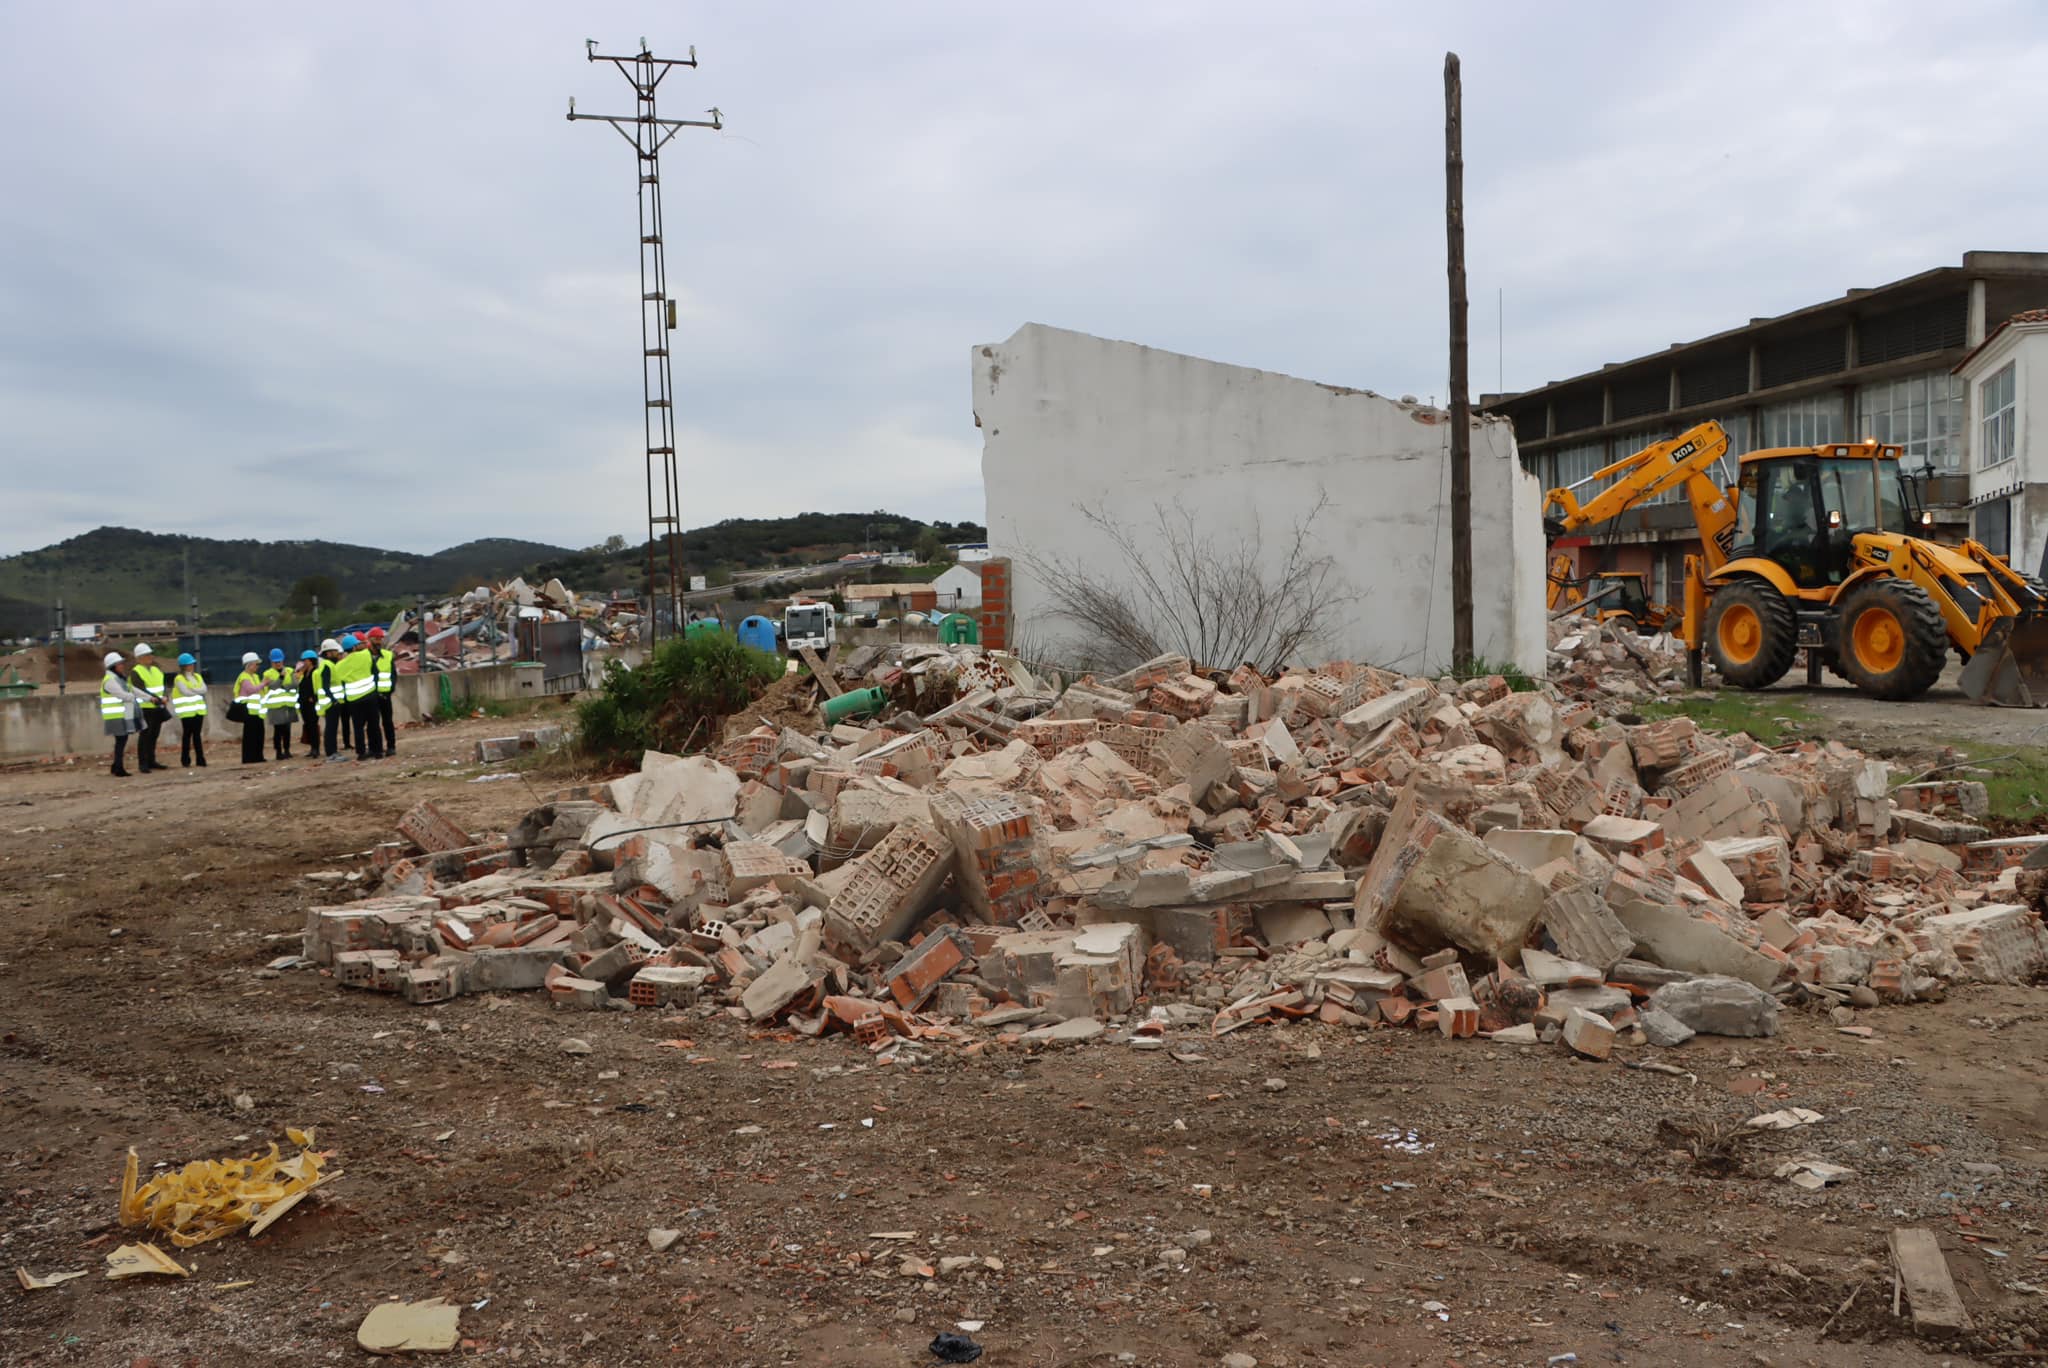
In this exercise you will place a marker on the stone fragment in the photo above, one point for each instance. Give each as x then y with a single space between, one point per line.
1719 1006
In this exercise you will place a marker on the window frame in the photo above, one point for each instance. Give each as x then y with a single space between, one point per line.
1998 427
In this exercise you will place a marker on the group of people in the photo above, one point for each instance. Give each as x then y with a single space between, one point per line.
339 695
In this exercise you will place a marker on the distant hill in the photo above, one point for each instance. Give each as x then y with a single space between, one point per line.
753 544
118 573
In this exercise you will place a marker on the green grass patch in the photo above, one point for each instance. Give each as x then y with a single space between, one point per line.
1772 719
1481 668
2015 778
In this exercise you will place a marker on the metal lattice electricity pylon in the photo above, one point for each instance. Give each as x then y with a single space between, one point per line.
648 135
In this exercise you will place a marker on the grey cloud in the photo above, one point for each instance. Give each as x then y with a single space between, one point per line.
316 233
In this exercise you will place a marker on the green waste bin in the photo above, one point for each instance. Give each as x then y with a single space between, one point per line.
959 629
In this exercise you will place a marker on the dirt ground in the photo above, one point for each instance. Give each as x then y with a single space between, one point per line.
1301 1195
1943 715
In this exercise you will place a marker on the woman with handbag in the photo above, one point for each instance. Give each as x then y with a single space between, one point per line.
249 707
120 708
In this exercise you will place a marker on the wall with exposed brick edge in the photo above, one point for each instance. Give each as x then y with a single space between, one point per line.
1071 421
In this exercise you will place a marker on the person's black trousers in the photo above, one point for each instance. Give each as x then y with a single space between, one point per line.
145 743
281 740
336 714
192 740
120 753
384 716
369 731
252 741
309 729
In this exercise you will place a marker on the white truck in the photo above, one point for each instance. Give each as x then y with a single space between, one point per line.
809 624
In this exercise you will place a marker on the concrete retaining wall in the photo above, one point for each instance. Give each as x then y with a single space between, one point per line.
1073 424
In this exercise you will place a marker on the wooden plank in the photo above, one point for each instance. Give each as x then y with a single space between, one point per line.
1937 1307
819 672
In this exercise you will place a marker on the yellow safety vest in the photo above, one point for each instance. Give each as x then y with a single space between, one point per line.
151 680
354 672
255 702
383 665
188 695
113 707
279 693
326 688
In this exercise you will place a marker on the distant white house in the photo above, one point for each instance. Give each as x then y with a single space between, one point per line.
958 587
969 553
2005 382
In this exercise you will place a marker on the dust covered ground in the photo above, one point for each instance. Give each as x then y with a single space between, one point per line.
1300 1194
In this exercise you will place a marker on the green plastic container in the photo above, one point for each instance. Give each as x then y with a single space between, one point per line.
702 626
855 703
960 629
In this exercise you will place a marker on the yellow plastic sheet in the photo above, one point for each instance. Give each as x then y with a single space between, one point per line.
209 1198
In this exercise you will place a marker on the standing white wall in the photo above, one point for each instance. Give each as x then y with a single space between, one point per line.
1072 422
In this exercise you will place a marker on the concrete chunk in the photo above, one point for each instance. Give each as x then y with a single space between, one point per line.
1677 939
1719 1006
1662 1029
1587 1034
1531 849
1432 884
2000 943
1584 928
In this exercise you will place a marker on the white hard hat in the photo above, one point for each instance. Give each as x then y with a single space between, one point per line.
251 658
113 658
330 645
143 649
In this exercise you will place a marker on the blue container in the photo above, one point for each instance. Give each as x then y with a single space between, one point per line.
759 633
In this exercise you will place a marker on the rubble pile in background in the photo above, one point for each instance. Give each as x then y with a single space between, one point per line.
480 627
1172 850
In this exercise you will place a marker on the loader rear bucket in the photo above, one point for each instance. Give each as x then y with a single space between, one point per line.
2010 668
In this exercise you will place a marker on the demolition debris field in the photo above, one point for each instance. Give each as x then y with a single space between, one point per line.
1295 1193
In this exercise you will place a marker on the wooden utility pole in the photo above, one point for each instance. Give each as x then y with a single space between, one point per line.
1461 403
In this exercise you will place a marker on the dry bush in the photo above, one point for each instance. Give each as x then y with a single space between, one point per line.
1209 598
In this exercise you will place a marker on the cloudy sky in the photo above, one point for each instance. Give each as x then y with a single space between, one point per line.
346 271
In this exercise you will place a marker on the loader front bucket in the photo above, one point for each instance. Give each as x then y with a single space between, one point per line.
2010 668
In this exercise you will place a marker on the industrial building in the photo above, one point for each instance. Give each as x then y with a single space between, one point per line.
1874 363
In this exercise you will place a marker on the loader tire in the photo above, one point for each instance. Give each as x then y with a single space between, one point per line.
1752 634
1893 640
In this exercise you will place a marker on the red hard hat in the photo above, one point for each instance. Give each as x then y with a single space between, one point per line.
376 634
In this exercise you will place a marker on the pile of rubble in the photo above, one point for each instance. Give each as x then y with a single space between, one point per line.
480 627
1591 661
1176 849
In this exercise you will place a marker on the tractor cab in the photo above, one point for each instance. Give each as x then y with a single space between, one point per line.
1628 596
1803 507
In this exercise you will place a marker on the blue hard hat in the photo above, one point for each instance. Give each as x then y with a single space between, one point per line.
349 642
186 659
276 656
309 655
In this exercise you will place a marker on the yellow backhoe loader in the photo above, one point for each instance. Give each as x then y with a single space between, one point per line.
1821 547
1619 597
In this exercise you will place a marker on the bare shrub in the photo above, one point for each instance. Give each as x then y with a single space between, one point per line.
1183 589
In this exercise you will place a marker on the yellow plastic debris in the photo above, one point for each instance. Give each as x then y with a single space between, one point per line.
209 1198
130 1260
32 1282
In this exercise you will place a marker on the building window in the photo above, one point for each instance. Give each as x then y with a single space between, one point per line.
1923 414
1575 463
1802 422
1994 526
1995 400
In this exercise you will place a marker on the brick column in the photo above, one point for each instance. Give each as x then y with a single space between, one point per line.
995 604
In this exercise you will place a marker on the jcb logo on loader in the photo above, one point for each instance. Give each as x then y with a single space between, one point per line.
1680 453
